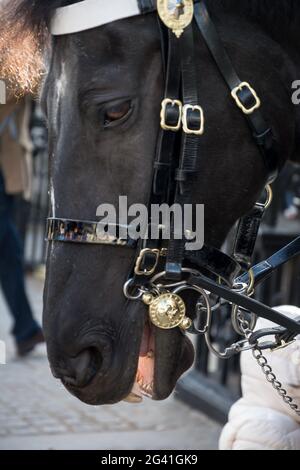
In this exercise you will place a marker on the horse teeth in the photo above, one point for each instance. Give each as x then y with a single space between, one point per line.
146 388
133 398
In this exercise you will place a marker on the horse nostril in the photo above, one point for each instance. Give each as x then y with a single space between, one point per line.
83 368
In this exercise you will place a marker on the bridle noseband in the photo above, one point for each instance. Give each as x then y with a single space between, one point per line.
162 271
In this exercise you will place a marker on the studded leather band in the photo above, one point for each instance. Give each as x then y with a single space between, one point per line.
79 231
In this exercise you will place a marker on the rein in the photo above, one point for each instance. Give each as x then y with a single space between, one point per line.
163 271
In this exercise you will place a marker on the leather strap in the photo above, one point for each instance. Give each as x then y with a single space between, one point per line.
213 261
262 132
166 140
189 153
79 231
147 6
282 335
264 269
246 236
88 14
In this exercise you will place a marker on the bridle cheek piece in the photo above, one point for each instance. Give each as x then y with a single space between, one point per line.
163 271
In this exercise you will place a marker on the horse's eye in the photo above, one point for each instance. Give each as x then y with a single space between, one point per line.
117 112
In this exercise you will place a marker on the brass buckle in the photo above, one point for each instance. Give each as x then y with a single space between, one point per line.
186 129
282 345
146 272
234 94
163 124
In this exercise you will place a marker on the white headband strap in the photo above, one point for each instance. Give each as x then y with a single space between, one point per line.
91 14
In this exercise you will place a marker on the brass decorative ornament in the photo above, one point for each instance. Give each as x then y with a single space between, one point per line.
147 298
168 311
176 14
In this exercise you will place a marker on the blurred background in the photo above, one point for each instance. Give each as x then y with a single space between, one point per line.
35 410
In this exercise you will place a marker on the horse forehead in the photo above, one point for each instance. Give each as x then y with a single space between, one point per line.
119 39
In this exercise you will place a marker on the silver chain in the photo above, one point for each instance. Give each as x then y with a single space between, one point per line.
247 330
272 379
265 366
244 324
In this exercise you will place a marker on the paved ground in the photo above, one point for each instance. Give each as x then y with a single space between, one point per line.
37 413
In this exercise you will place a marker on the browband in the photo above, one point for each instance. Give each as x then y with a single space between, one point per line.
90 14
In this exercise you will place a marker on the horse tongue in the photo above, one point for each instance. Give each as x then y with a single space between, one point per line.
147 344
145 341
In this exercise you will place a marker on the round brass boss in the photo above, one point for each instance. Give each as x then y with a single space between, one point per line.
167 311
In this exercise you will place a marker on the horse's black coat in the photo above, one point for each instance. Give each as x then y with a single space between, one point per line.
91 332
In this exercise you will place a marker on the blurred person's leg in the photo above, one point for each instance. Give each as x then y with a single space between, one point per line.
26 330
292 210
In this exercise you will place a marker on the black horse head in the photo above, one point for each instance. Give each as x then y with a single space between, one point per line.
102 97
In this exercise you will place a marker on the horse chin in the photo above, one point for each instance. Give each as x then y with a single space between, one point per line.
164 356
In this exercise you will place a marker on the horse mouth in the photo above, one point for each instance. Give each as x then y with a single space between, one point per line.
153 378
154 368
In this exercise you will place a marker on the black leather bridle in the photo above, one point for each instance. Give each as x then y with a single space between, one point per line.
163 270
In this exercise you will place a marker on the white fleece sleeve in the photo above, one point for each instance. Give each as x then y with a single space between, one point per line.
257 428
261 420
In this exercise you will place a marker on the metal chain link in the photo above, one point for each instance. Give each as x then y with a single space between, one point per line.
261 360
272 379
265 366
244 324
